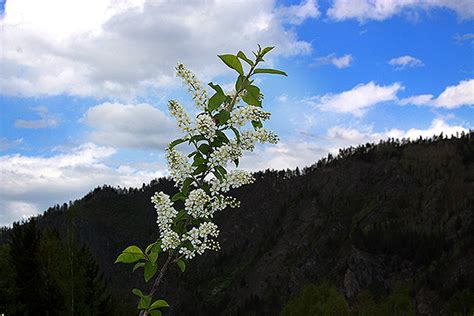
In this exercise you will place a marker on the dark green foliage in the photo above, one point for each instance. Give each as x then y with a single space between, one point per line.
36 276
317 300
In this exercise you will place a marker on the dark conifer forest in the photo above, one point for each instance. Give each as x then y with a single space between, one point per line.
380 229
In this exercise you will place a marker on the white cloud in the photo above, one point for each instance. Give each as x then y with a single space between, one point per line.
296 14
118 49
297 153
405 61
345 137
6 143
357 100
46 119
452 97
130 126
31 184
461 38
383 9
340 62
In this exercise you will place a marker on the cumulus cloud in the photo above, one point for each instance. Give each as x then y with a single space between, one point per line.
344 137
118 49
31 184
405 61
357 100
452 97
45 120
383 9
340 62
130 126
297 153
296 14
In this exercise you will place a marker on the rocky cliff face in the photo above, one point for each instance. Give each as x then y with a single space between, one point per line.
368 220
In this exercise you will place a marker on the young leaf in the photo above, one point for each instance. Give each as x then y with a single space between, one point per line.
159 304
138 265
138 292
198 160
156 312
242 56
149 270
266 50
144 302
232 62
152 257
130 255
269 71
181 265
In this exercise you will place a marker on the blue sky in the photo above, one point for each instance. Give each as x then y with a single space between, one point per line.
84 85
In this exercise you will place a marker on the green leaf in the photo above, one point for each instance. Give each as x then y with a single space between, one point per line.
138 292
152 257
186 184
158 304
242 56
176 142
138 265
181 264
223 116
198 160
215 101
221 135
181 214
257 124
178 196
144 302
149 270
216 88
221 170
200 169
130 255
204 148
266 50
232 62
236 162
269 71
156 312
154 247
241 83
252 97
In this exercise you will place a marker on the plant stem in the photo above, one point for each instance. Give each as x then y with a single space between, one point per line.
158 280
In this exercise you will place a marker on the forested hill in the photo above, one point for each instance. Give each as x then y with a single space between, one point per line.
386 227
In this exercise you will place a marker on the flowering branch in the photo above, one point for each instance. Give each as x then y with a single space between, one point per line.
219 135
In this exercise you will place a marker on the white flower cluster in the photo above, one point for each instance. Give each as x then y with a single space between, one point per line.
178 165
165 215
206 126
241 116
194 86
200 241
222 155
182 118
261 135
195 204
233 179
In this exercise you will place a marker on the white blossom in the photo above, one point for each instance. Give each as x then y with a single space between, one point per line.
194 86
195 204
206 126
182 118
232 180
242 115
222 155
178 165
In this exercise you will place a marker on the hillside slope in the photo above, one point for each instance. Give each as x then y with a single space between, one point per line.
373 218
